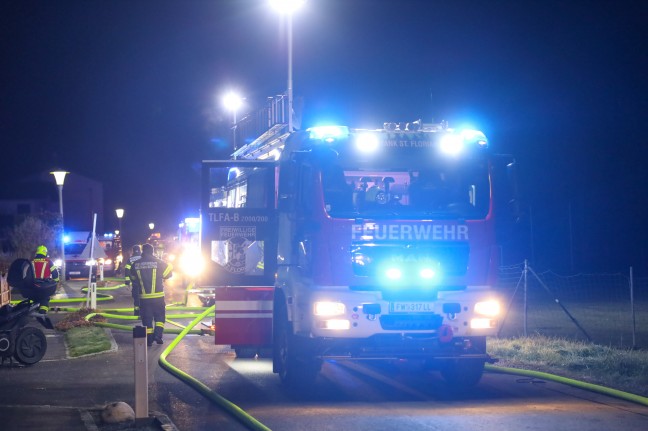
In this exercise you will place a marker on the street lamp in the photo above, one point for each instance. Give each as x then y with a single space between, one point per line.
119 234
233 102
59 177
120 214
288 8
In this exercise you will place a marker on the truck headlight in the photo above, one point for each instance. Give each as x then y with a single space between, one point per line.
488 308
328 308
483 323
335 324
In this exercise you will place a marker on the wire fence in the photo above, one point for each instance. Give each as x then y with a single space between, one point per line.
607 309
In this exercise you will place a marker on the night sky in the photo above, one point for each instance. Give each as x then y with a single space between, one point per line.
128 93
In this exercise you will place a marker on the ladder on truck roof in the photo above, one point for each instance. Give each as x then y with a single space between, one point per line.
267 128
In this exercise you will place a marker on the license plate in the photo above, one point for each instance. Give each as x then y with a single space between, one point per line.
411 307
75 272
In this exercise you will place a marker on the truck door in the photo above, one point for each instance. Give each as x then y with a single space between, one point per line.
239 244
239 222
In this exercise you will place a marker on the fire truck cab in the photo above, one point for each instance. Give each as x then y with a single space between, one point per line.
340 243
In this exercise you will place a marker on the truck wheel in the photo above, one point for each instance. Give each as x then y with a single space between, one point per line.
284 354
31 345
462 373
293 367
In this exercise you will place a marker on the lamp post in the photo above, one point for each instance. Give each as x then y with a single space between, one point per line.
233 102
151 227
59 177
288 8
120 213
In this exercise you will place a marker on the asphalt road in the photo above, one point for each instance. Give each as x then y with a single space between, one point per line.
353 396
345 396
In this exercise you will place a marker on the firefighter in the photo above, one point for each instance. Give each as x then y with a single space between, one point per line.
46 278
147 275
136 254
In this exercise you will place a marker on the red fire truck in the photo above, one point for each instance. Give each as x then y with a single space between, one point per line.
340 243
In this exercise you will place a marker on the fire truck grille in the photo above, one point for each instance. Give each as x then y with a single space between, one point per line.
450 258
410 322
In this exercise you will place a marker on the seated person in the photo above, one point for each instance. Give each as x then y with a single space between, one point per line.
46 278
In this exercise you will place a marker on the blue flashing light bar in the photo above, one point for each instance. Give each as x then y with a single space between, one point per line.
328 133
454 142
474 137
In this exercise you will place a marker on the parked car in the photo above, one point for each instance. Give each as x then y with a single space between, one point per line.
75 262
77 255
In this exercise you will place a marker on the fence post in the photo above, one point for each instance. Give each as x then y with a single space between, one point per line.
526 270
141 372
557 301
632 310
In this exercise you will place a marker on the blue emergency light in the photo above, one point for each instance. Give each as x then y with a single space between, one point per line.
328 133
454 142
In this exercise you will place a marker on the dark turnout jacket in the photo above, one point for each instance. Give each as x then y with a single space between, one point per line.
148 274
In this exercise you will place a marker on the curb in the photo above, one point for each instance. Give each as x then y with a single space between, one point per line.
155 422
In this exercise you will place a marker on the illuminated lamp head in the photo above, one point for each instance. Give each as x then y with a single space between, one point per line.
366 142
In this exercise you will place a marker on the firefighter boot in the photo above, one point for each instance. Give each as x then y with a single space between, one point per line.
157 333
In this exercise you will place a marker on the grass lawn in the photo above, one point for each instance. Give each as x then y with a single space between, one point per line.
84 340
622 369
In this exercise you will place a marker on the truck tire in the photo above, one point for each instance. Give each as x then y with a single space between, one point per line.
462 373
291 361
31 345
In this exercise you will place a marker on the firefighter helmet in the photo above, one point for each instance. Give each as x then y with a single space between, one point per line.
41 249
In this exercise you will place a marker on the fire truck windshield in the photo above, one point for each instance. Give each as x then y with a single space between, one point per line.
439 192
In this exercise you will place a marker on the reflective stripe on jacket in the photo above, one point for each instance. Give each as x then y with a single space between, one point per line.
148 275
134 258
44 269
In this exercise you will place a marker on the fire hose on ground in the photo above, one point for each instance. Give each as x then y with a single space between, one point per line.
571 382
231 408
253 423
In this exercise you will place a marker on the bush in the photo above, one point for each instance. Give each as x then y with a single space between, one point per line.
32 232
78 319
